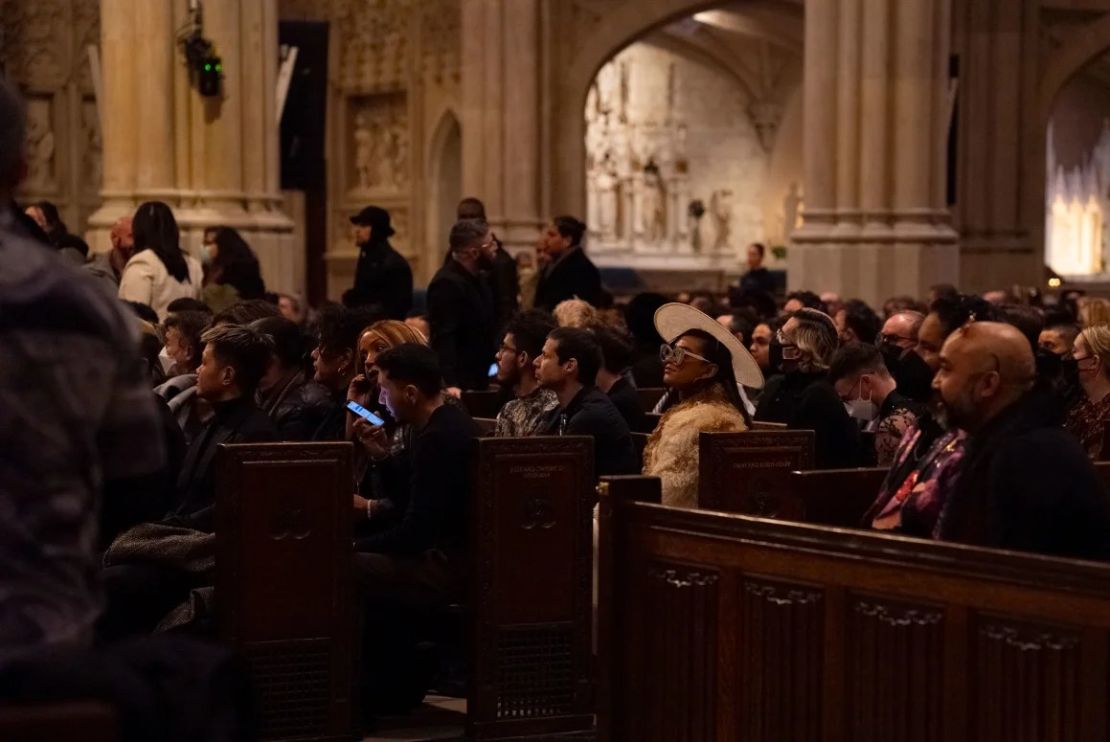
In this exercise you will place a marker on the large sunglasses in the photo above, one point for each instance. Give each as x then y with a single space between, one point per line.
676 354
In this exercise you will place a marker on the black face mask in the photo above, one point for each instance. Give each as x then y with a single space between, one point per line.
1049 365
1069 371
914 377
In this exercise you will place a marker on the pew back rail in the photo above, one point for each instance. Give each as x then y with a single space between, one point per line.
749 472
726 627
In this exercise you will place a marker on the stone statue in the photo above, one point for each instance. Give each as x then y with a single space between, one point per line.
654 204
791 206
93 155
720 206
40 148
607 182
364 151
396 151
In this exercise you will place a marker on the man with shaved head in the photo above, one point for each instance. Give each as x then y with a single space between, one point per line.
108 267
1024 483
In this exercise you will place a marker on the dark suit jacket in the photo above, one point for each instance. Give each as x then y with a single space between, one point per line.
809 402
573 275
237 421
461 313
506 287
382 277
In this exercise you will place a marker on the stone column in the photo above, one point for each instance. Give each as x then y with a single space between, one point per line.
215 160
501 114
999 217
883 229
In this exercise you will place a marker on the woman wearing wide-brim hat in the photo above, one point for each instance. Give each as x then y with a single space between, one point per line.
703 366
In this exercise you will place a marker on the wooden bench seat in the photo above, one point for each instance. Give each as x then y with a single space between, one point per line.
716 626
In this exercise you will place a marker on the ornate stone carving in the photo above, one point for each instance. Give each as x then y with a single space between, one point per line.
92 155
374 39
380 143
40 145
440 26
720 207
791 211
86 23
766 116
34 54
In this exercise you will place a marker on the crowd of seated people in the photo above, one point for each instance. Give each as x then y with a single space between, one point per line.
985 411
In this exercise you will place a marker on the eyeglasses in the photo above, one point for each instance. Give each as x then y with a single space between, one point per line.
507 349
676 354
886 339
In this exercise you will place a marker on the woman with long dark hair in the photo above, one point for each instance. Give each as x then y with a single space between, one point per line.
231 271
702 365
159 272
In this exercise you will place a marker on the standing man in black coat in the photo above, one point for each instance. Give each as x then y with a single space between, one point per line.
503 277
461 309
382 276
570 274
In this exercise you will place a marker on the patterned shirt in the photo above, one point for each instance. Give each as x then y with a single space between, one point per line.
520 418
922 476
1087 422
75 411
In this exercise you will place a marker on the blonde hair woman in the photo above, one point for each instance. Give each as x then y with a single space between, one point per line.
1087 419
375 340
575 313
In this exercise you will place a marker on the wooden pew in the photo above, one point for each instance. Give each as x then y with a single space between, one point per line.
486 426
758 425
722 627
833 497
87 721
483 404
650 396
284 581
749 472
531 523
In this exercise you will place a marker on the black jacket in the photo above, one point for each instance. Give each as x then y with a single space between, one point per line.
627 401
808 402
572 276
1027 484
297 406
435 515
382 277
461 313
237 421
591 412
506 287
758 280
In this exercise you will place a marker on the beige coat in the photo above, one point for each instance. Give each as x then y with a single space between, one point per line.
672 451
146 280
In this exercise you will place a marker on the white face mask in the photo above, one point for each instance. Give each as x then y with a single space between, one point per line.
165 360
204 254
862 409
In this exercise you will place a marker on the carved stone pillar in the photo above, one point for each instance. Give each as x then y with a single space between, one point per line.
999 216
213 160
875 221
501 115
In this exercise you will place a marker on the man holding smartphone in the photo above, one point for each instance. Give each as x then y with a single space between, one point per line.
419 562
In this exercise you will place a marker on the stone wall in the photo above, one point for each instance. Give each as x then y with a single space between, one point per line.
44 51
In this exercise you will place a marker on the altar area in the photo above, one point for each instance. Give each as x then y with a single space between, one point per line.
685 167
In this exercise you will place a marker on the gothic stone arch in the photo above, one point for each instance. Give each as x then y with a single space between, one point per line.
604 34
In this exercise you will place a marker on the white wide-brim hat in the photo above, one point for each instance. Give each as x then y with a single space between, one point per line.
675 319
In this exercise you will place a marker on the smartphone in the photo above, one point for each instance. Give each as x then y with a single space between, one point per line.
492 370
361 411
